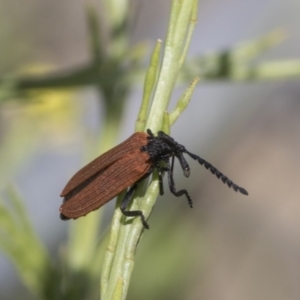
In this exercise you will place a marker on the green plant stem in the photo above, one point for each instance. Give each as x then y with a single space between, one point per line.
121 261
149 84
20 243
183 102
111 247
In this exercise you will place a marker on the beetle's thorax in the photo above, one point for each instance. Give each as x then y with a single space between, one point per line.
162 147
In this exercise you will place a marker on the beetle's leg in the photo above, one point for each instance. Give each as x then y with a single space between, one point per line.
172 185
160 181
133 213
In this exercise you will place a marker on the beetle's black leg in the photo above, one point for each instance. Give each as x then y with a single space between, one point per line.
184 165
161 169
172 185
160 180
217 173
133 213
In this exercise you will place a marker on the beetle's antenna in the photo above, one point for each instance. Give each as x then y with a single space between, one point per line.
217 173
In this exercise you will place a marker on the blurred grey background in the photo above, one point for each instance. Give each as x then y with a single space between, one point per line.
241 248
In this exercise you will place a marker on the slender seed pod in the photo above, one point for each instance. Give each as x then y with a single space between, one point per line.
124 166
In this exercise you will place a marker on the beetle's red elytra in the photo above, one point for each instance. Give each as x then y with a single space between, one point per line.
105 177
123 167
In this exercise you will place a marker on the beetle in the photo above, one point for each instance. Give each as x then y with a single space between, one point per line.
123 167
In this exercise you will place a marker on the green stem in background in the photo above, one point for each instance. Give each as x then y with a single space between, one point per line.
245 51
279 69
117 10
82 241
97 52
237 63
231 64
19 242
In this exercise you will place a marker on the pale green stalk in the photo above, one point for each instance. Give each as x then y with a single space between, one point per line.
180 16
111 246
279 69
20 243
150 80
120 267
193 22
183 102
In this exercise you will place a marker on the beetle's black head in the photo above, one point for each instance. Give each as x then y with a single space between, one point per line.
162 147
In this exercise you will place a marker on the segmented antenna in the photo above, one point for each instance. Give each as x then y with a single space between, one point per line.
217 173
